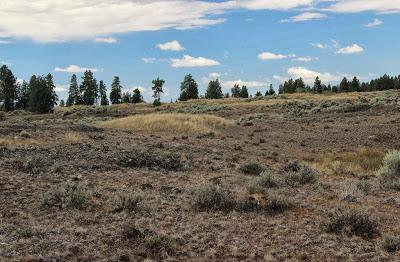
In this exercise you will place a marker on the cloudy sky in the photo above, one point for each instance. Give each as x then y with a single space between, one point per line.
250 42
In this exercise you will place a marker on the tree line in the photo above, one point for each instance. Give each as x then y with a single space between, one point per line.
38 95
384 82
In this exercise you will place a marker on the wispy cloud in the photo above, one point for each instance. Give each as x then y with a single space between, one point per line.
272 56
149 60
106 40
75 69
189 61
374 23
307 16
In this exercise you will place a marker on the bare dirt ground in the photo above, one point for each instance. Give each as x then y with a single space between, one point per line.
42 155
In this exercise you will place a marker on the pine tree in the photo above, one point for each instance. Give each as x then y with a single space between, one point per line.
137 96
62 103
271 91
88 88
116 91
259 94
42 96
8 88
73 93
126 97
22 96
355 85
344 85
299 85
157 90
214 90
189 89
103 94
317 86
244 93
236 91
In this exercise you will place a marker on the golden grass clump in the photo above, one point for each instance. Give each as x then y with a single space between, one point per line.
73 138
356 162
18 142
169 123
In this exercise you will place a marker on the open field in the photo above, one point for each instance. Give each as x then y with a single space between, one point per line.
285 178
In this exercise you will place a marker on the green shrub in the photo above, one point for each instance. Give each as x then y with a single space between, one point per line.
304 176
390 168
159 243
351 222
267 179
391 244
24 134
252 168
211 197
74 196
130 202
278 204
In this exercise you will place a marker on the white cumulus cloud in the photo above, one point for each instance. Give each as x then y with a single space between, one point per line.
149 60
249 84
189 61
353 49
75 69
310 75
171 46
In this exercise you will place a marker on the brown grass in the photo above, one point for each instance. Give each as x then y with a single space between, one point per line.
18 142
73 138
169 123
356 162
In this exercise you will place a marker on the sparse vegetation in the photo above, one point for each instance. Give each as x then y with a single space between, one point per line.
211 197
169 123
252 168
72 195
391 244
130 202
351 222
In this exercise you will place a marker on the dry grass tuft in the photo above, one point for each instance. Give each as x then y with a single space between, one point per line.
18 142
169 123
361 160
73 138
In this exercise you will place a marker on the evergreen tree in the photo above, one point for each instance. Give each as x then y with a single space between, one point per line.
271 91
137 96
116 91
157 90
227 95
299 86
214 90
8 88
259 94
317 86
88 88
126 97
22 96
62 103
189 89
355 85
236 91
73 93
42 96
244 93
335 89
344 85
103 93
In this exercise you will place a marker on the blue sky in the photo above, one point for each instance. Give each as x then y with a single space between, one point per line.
251 42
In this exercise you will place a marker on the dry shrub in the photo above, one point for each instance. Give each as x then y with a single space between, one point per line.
129 202
352 222
391 244
361 160
251 168
211 197
2 116
73 138
169 123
